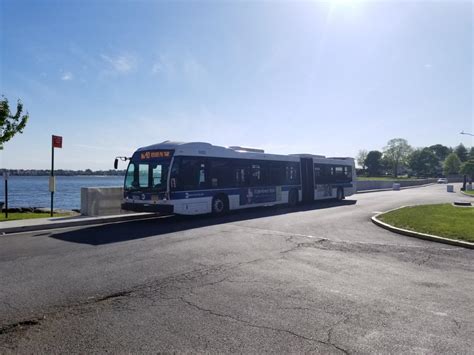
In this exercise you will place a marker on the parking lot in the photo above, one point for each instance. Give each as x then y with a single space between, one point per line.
317 278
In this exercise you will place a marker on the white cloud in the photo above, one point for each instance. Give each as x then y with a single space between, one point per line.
192 68
121 64
184 67
67 76
164 65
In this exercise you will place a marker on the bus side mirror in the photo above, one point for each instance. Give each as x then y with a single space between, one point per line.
115 163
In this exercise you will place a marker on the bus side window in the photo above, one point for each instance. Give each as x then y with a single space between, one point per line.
317 173
277 173
292 173
241 170
193 174
256 175
265 176
348 171
203 175
221 173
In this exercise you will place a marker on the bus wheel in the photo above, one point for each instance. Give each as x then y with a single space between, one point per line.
292 198
340 194
220 204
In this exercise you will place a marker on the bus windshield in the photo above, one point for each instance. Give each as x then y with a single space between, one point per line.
147 175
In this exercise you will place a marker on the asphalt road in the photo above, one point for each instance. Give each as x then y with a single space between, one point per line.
320 278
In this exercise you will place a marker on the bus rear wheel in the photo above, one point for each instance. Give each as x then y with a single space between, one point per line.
340 194
220 205
292 198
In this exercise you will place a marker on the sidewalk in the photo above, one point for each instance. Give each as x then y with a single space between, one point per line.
26 225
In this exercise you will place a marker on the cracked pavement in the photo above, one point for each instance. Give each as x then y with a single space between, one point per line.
320 278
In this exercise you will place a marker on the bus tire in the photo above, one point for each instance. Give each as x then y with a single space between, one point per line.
292 198
340 194
220 205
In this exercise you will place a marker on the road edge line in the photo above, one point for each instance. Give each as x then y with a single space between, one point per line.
424 236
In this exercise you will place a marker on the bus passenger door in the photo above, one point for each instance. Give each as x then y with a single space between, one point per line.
307 179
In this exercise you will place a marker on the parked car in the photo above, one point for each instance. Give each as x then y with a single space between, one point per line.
442 181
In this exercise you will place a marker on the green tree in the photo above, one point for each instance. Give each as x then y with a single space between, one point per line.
440 151
361 156
397 152
423 162
471 154
452 164
10 124
468 168
461 152
373 162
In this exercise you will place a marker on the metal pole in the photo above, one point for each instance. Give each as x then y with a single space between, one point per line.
52 175
6 198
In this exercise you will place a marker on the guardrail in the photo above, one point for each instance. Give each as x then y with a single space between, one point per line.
364 185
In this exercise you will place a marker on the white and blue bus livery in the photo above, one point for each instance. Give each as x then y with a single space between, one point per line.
196 178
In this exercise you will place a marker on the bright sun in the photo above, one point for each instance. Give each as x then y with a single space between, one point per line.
345 2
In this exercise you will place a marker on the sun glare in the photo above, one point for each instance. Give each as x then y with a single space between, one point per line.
352 7
345 1
350 3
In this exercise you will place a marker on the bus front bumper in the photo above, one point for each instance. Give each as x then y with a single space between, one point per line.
144 207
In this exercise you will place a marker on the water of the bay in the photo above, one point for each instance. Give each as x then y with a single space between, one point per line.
33 191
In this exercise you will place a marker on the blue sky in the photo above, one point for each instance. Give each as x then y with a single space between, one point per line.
290 77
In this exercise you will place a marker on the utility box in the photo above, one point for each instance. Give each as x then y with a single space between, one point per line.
450 188
396 186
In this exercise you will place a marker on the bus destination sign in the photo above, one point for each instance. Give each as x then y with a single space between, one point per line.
155 154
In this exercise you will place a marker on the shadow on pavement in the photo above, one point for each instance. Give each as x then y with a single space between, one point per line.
124 231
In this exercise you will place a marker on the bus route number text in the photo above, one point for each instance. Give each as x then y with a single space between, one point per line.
159 154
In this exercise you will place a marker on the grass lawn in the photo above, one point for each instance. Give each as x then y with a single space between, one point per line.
384 178
28 215
470 192
443 220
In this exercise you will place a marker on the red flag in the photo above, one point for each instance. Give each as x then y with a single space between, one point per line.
57 141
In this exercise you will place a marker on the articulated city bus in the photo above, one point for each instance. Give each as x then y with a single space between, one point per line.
196 178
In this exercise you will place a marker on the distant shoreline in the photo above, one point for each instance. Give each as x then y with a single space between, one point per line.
68 175
60 172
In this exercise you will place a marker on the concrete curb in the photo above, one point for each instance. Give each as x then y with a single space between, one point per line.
78 222
465 194
391 189
409 233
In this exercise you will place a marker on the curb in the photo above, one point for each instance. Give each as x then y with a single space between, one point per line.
391 189
409 233
84 222
465 194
